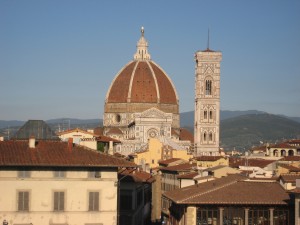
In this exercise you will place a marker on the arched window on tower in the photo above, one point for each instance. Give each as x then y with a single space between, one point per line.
205 114
204 136
208 87
210 136
210 115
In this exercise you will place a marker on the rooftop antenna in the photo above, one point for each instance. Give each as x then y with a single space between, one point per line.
208 40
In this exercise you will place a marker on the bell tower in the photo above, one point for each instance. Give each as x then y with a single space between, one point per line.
207 102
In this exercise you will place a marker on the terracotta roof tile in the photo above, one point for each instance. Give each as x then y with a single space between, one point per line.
55 153
137 176
186 135
281 145
175 132
107 139
232 189
291 158
261 163
168 161
289 178
98 130
142 81
290 167
179 167
114 130
294 141
208 158
188 175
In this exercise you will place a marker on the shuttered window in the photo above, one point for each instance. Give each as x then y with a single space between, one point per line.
59 201
23 201
93 201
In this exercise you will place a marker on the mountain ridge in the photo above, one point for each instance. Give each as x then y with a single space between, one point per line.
238 129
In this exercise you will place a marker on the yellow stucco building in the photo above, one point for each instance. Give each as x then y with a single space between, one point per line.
156 150
211 161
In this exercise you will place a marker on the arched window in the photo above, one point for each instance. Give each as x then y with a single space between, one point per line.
210 115
208 87
204 136
290 152
205 114
210 136
282 153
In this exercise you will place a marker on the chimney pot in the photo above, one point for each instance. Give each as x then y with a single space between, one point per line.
32 142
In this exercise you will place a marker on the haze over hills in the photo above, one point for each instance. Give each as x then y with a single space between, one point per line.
245 131
239 129
187 118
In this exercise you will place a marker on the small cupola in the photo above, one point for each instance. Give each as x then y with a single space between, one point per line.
142 48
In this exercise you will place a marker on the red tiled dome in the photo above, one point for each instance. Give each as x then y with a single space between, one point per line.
139 86
142 82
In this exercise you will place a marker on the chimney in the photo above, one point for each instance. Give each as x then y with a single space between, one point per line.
32 142
70 144
111 148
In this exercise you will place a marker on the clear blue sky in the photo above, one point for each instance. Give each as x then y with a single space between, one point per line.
58 58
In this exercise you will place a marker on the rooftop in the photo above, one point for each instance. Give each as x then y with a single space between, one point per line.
290 167
289 178
55 153
233 189
137 175
180 167
291 158
168 161
209 158
237 162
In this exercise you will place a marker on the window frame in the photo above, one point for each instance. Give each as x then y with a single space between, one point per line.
58 205
24 207
93 201
208 87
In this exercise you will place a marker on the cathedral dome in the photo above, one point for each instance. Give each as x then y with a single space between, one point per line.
141 84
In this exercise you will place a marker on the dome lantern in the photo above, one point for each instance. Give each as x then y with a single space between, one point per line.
142 48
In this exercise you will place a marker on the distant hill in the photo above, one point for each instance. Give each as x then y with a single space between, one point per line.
245 131
187 118
11 123
239 129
